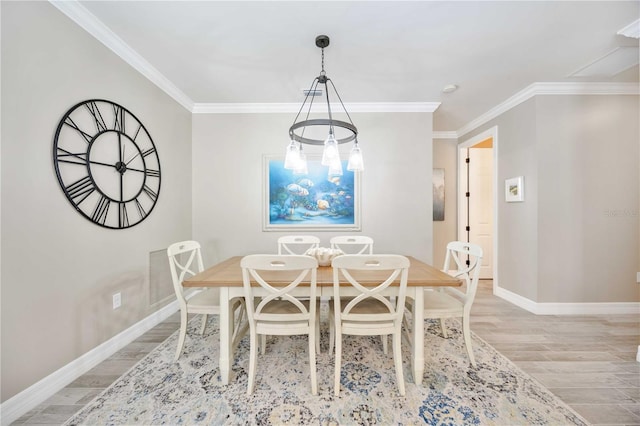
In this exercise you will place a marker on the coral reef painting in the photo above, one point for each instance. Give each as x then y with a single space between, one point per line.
310 201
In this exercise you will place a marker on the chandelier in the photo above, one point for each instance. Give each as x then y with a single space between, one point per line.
337 131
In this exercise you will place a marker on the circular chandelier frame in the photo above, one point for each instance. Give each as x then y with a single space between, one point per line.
322 122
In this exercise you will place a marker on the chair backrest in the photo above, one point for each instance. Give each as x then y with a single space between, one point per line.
297 244
279 276
185 260
353 244
384 269
455 264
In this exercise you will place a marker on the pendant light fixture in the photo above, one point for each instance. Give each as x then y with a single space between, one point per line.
337 131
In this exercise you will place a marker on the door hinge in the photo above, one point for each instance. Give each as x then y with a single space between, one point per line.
467 194
468 228
467 160
468 262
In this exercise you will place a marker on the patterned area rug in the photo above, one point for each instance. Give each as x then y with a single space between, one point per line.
159 391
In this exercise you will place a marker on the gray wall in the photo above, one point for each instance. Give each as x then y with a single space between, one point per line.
228 152
575 237
59 271
588 196
518 222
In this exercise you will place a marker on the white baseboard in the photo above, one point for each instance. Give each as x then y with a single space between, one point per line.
15 407
516 299
606 308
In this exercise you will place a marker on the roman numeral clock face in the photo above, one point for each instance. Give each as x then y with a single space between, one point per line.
107 164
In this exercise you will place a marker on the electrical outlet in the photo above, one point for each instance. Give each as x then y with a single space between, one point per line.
117 300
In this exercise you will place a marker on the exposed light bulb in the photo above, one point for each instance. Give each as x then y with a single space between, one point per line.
356 163
301 167
335 169
330 152
292 157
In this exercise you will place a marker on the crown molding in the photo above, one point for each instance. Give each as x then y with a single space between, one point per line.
536 89
444 135
88 21
632 30
266 108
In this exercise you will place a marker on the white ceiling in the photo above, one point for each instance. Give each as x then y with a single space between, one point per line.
381 51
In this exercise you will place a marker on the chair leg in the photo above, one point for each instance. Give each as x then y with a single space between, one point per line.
253 358
338 360
263 342
385 347
317 330
242 323
313 341
332 334
183 333
406 327
318 314
444 328
204 323
466 332
397 358
236 321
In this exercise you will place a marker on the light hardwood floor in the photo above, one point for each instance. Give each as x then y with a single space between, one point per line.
587 360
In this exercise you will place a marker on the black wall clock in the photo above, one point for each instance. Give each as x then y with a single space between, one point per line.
106 164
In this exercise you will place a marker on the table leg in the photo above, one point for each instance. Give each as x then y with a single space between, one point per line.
226 333
417 325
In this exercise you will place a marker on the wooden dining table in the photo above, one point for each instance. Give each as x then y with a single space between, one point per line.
227 276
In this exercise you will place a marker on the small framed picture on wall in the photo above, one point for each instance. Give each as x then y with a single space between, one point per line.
514 189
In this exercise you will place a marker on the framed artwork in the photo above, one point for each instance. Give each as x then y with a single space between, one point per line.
514 189
312 201
438 194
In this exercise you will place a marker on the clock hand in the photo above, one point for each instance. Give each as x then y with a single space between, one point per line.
132 158
136 170
102 164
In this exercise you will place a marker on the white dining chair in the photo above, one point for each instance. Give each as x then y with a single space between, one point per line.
278 310
462 260
352 244
369 311
297 244
294 245
355 244
185 260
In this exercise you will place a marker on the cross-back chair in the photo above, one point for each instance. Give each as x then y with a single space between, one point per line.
449 302
185 260
367 310
352 244
297 244
276 308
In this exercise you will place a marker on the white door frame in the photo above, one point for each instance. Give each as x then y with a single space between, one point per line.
462 147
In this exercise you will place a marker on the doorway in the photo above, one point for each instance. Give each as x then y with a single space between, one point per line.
477 197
